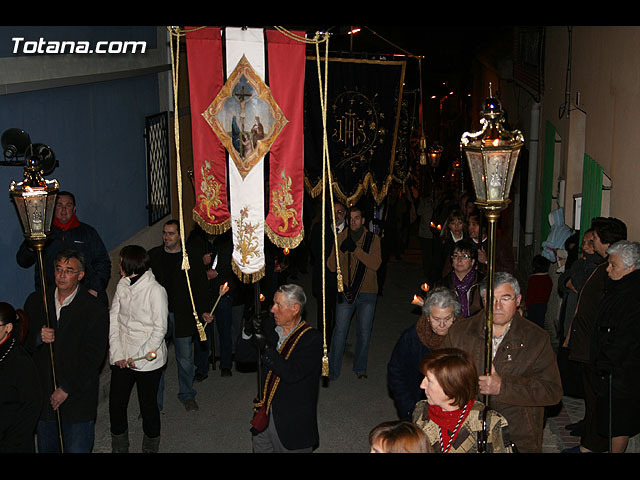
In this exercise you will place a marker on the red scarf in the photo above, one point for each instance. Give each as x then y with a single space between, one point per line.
72 223
447 420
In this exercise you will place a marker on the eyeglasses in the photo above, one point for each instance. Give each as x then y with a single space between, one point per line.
504 299
460 255
445 321
65 271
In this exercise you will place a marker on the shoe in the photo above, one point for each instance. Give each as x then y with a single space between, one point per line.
200 377
362 376
225 372
120 443
574 426
150 445
575 449
190 405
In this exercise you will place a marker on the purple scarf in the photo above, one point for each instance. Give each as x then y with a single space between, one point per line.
462 287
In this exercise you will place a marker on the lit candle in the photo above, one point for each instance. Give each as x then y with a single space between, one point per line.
425 287
262 297
286 250
417 300
224 288
149 356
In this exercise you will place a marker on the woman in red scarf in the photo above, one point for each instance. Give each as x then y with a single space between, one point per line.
451 417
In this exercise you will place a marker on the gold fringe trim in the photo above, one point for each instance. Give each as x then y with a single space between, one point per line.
213 229
368 183
283 242
247 277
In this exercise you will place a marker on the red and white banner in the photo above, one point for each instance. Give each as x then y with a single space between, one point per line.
204 57
286 57
248 120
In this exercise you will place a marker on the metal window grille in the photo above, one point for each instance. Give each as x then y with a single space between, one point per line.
158 166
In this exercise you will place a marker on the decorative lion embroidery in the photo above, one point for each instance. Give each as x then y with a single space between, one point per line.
210 196
281 200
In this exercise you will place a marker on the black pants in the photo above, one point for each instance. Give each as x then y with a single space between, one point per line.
122 382
590 438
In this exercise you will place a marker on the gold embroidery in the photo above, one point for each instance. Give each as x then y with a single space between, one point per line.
281 201
210 196
247 244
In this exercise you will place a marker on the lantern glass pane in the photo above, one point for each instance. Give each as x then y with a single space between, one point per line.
497 164
51 206
36 207
512 169
477 173
22 213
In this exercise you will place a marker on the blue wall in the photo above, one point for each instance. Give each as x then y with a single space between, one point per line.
96 132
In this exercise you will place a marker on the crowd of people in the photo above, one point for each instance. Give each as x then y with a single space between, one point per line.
451 395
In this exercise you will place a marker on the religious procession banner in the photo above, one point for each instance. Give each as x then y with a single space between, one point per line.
204 57
247 120
286 158
363 113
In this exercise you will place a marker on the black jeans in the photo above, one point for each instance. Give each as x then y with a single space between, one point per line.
122 382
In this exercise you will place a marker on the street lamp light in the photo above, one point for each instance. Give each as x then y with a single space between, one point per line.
35 199
492 154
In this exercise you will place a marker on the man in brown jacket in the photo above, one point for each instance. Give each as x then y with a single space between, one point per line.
360 257
524 376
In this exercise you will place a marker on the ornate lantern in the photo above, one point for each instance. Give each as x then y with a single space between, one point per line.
492 154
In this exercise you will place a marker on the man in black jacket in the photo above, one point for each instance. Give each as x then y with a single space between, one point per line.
292 360
79 332
67 232
166 264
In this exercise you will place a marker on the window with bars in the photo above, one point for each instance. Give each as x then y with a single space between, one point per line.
158 166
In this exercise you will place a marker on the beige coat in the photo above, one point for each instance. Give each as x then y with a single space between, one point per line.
348 261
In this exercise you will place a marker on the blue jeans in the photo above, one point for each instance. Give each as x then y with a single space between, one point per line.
364 307
76 437
186 368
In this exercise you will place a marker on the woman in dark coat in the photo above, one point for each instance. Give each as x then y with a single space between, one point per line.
20 392
439 311
616 347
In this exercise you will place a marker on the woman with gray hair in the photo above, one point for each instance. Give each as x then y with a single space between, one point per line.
615 355
439 311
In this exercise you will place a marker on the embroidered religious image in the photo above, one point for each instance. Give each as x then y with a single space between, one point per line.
245 117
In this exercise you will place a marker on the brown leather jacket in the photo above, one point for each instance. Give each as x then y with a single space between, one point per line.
529 371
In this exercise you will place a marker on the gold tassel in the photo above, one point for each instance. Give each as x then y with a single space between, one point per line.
325 363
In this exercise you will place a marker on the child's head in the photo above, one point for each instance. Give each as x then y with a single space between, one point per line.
540 264
398 437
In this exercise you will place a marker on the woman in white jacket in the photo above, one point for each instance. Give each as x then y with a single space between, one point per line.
137 349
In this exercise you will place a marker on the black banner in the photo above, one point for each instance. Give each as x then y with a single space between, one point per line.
363 113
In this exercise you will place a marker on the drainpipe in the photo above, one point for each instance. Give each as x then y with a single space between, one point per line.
532 176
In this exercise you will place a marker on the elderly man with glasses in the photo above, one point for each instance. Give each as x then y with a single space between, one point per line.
524 376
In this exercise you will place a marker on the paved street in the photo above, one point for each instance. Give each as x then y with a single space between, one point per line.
348 407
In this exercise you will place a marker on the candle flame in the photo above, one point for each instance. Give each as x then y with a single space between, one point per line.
262 297
224 288
151 355
417 300
439 227
425 287
286 250
496 142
